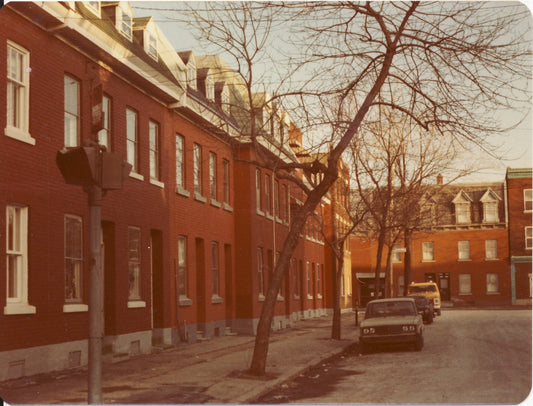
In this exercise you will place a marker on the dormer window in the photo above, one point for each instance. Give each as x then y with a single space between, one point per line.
490 207
224 100
151 44
209 88
125 24
191 74
462 204
94 6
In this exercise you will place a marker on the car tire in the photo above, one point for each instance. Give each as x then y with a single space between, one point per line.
419 342
430 318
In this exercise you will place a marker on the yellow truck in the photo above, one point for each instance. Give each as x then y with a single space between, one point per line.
427 289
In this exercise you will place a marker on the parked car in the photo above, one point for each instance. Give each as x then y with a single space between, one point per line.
429 290
391 321
424 307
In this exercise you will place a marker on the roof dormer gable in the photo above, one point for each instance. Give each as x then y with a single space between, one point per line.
205 83
462 197
189 60
490 197
145 31
121 13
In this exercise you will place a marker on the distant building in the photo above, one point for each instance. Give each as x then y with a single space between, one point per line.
520 208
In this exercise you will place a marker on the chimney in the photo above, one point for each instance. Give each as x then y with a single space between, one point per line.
439 179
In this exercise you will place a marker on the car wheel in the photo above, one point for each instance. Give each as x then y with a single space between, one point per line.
419 342
430 318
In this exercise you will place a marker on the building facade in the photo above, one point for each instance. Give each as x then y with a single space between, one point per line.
465 251
520 201
188 244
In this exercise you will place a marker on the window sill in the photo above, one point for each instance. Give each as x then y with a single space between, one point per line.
280 298
261 298
136 175
19 135
135 304
296 297
198 197
464 260
216 203
319 296
227 207
216 299
182 192
19 308
75 308
309 296
157 183
493 293
260 212
492 259
185 301
428 260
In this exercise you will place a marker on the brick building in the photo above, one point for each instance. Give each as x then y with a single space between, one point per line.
520 201
188 243
465 250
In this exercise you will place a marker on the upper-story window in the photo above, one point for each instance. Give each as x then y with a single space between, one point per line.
462 204
125 21
428 253
151 44
153 135
209 88
104 135
93 6
490 207
72 111
18 93
132 140
225 185
528 200
191 74
224 100
529 237
180 161
197 168
213 176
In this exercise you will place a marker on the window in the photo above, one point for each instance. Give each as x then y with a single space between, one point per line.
318 285
18 93
491 249
191 74
427 251
213 176
17 261
151 45
492 283
104 135
209 88
268 198
197 164
309 281
462 213
295 278
490 212
529 237
94 6
258 190
225 168
396 255
276 198
182 265
224 100
72 111
285 203
214 268
464 250
153 135
125 26
134 263
465 284
73 259
180 162
260 275
132 141
528 200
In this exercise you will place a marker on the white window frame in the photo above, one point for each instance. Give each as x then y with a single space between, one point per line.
309 280
268 197
462 213
215 270
213 176
154 146
465 284
72 108
134 265
225 181
94 7
463 250
197 168
191 75
528 200
182 268
74 258
150 41
209 88
319 281
396 256
18 93
17 261
180 162
491 249
490 212
260 273
104 135
493 284
125 27
132 139
258 202
428 251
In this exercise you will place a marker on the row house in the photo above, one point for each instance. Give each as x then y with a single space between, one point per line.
464 248
520 208
188 244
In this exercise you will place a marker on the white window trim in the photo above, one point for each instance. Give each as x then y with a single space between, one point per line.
75 307
152 51
528 200
526 238
136 304
120 23
22 133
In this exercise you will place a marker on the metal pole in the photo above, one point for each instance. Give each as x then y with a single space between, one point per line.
96 296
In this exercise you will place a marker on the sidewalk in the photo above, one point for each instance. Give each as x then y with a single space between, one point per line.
212 371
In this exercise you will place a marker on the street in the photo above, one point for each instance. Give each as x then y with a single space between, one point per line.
470 356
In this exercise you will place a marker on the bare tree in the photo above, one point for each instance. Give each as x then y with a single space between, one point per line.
448 66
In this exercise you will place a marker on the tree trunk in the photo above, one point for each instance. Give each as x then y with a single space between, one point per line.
407 261
337 275
377 282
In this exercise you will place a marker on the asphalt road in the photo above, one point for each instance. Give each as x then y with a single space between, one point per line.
469 356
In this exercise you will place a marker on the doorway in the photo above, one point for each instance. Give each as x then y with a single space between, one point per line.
156 252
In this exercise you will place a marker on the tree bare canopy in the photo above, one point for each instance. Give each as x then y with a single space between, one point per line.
450 68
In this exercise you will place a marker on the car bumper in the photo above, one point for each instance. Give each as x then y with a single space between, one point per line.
388 339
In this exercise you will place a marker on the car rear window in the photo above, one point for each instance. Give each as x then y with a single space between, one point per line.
422 289
384 309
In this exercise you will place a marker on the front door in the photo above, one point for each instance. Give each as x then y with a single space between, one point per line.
444 285
156 244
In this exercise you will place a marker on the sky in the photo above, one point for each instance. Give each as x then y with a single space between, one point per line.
515 145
